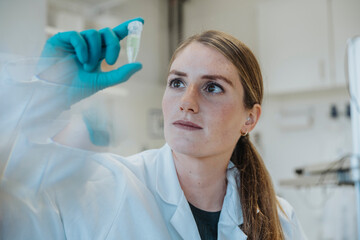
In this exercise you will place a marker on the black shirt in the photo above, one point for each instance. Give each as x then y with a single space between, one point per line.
207 222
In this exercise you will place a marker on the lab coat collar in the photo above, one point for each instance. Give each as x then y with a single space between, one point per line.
167 182
184 222
232 199
231 216
169 189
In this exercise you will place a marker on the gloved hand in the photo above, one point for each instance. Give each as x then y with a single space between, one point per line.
72 59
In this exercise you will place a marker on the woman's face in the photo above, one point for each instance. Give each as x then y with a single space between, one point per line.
203 103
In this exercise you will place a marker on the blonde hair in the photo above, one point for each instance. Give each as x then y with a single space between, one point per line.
257 195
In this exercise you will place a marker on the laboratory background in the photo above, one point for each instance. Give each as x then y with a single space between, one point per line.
305 132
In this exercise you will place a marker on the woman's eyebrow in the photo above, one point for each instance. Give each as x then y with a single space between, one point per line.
215 77
178 73
209 76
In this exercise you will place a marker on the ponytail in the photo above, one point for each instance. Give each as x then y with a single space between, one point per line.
257 195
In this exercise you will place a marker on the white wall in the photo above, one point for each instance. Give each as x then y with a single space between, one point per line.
236 17
22 25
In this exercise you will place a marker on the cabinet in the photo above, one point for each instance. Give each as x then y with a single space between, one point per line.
302 43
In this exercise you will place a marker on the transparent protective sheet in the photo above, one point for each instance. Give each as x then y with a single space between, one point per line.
42 158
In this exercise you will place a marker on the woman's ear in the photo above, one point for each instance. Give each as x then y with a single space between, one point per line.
253 117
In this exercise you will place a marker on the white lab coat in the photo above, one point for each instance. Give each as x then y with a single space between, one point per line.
73 194
50 191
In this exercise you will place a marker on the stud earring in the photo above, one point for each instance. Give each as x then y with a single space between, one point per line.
243 134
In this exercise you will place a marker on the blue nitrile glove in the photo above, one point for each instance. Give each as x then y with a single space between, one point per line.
97 125
72 59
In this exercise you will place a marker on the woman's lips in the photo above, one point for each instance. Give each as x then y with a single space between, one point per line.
187 125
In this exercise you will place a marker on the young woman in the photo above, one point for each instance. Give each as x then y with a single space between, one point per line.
207 182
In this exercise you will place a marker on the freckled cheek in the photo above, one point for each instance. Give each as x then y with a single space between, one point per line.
225 121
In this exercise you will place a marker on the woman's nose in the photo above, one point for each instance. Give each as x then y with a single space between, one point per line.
189 101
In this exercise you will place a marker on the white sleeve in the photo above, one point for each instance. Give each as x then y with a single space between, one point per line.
290 224
28 105
29 110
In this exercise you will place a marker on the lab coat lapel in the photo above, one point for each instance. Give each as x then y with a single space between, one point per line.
184 222
167 183
169 190
231 214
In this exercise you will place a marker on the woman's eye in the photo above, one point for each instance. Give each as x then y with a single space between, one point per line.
176 83
214 88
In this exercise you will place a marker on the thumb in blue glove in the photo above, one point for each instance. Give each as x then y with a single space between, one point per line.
98 128
73 60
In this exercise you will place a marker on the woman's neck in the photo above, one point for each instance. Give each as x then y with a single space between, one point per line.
202 180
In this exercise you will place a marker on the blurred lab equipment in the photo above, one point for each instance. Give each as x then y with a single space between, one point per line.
346 170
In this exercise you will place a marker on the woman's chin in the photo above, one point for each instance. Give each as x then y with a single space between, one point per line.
186 148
